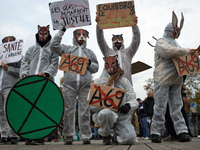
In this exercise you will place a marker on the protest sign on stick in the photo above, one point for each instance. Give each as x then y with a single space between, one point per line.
106 96
187 64
73 64
114 15
70 13
11 52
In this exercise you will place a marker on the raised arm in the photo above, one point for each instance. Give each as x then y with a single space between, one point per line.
56 43
132 49
101 40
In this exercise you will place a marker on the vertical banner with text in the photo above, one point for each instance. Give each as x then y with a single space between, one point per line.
11 52
115 15
71 13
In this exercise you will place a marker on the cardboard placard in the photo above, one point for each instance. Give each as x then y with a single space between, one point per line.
187 64
114 15
71 13
106 96
11 52
73 64
139 67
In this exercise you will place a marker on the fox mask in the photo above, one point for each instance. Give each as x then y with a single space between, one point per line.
43 33
110 63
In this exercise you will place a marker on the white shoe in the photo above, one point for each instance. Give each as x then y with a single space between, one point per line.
142 138
146 138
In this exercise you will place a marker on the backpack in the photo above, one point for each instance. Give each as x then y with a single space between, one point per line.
193 110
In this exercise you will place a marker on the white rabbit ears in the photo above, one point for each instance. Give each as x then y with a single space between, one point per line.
175 21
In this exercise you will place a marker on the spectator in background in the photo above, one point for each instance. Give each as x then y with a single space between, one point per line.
143 120
9 75
193 120
148 105
96 129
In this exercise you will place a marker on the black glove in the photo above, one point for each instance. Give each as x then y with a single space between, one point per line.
63 29
47 75
124 108
89 62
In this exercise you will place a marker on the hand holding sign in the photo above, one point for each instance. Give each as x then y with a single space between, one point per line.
4 66
195 51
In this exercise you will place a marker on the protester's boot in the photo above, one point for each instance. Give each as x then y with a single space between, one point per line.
86 141
68 140
107 140
184 137
155 138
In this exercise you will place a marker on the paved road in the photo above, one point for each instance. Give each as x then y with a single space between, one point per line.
97 145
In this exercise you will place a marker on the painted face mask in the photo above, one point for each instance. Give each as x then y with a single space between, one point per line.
43 33
117 40
81 35
8 39
177 30
110 64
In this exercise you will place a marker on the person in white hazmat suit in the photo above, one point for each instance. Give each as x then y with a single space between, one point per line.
75 85
9 75
39 59
168 83
125 55
116 123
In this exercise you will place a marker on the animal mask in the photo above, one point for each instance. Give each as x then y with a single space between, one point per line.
43 33
81 35
177 30
110 64
117 38
8 39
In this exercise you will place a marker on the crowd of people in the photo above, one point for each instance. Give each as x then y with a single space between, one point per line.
113 126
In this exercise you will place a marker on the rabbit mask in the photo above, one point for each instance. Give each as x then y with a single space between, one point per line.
177 30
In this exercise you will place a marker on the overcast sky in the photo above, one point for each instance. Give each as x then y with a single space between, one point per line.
21 17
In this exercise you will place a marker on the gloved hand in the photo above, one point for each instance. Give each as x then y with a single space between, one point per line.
124 108
63 29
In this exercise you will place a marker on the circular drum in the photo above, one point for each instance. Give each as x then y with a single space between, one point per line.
34 107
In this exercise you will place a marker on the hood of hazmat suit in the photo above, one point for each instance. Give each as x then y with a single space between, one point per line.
71 80
167 48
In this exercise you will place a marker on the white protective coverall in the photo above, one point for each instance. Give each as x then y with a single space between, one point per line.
168 83
113 122
40 60
125 55
76 85
7 80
